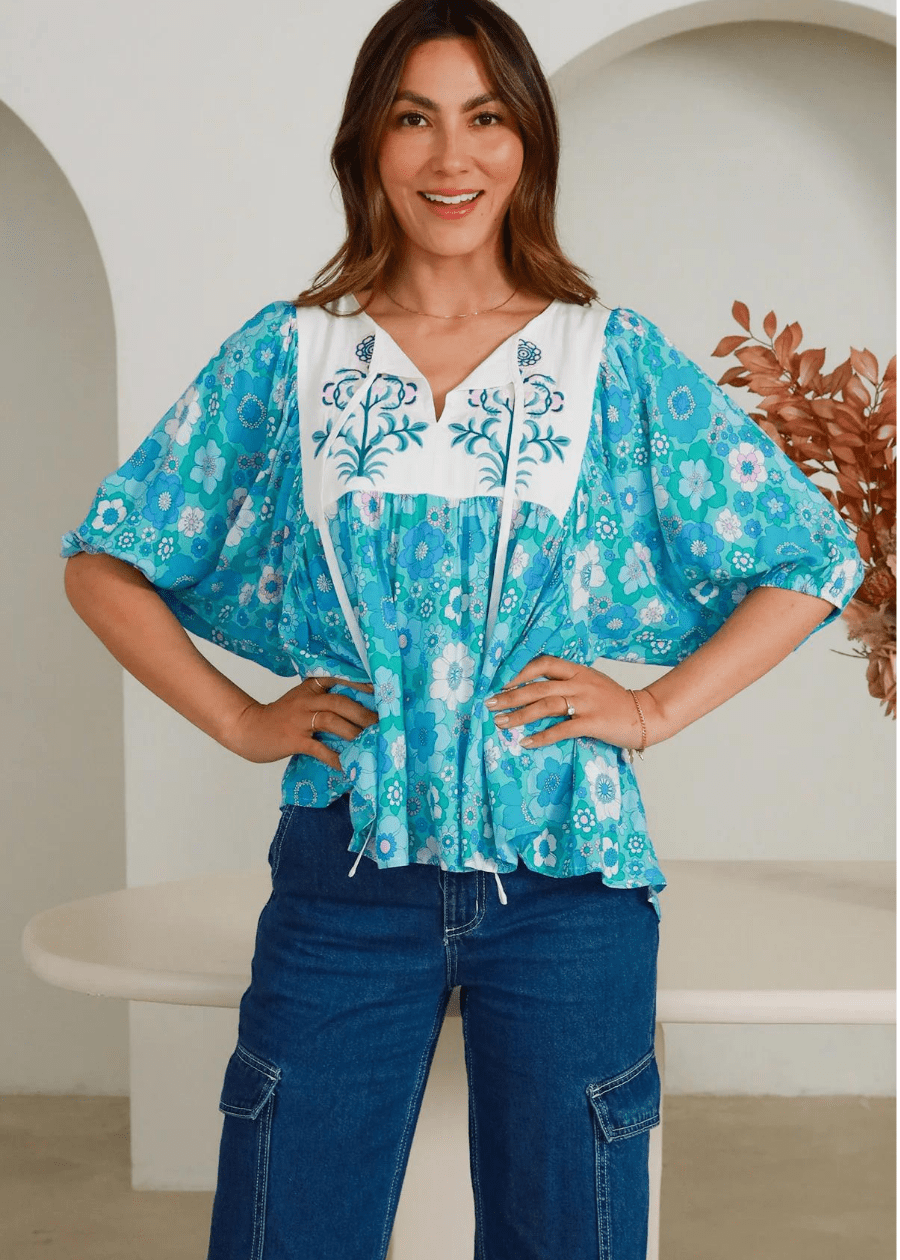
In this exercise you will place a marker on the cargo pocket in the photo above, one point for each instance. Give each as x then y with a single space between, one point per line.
239 1207
624 1108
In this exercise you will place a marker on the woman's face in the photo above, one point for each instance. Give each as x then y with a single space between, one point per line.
448 134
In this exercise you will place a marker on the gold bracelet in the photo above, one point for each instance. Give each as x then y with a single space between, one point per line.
639 751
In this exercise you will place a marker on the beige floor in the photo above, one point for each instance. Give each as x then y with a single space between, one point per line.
744 1179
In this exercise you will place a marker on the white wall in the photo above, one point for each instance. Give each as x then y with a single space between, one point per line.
61 759
202 170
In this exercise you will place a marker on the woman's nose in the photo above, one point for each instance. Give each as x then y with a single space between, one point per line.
450 151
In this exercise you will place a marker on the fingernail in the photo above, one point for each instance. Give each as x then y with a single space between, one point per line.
526 742
491 702
501 719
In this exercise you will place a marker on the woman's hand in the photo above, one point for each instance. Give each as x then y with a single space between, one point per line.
603 708
270 732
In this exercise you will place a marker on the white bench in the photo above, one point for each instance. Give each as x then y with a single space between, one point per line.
772 942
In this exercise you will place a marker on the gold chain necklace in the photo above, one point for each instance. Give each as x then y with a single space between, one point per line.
466 316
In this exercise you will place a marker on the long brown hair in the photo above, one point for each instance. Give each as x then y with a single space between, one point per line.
531 249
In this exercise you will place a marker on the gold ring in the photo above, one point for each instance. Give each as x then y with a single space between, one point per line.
570 708
313 723
319 686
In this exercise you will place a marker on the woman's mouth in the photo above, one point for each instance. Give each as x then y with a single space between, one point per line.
451 206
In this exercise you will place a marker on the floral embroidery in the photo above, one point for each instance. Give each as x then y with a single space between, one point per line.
491 420
364 453
528 353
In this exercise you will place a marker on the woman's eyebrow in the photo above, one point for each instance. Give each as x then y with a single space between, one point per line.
427 103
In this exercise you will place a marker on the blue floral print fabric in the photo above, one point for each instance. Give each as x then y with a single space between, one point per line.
677 505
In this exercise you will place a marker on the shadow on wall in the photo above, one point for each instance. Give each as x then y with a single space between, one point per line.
62 758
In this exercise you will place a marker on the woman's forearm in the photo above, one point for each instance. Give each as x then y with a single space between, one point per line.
127 614
764 628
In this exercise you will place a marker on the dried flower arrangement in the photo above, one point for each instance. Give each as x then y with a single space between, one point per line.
836 424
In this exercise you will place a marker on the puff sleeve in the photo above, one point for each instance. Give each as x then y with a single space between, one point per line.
718 507
200 507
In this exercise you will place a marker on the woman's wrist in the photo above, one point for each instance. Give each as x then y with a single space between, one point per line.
656 724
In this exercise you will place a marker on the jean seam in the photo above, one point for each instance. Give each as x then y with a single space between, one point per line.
259 1208
473 1143
267 1069
279 838
480 902
406 1135
603 1086
603 1230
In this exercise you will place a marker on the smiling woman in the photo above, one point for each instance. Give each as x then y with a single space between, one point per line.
450 62
441 484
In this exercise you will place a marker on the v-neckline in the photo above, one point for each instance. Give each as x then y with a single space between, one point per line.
402 359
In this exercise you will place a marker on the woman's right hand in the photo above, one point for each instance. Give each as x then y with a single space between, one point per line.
271 732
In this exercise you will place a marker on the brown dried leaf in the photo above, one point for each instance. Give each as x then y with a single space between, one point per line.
734 376
769 386
817 450
784 347
850 487
770 323
834 382
855 389
810 364
844 453
796 335
795 410
851 422
865 363
727 345
823 407
741 315
758 357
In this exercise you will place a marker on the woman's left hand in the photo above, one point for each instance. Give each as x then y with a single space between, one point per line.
603 708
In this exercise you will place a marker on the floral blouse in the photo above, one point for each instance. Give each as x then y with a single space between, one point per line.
588 492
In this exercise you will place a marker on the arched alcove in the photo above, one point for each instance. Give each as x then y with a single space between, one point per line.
62 763
751 161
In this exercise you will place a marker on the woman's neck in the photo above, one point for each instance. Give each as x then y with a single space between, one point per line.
448 286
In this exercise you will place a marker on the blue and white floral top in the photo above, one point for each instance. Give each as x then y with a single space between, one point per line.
588 492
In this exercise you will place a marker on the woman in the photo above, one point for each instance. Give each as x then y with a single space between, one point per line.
439 485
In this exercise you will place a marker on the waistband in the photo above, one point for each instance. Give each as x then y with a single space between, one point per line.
500 892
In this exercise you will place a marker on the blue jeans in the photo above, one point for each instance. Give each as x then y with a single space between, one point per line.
350 981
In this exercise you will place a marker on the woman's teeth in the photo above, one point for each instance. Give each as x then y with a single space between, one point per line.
451 201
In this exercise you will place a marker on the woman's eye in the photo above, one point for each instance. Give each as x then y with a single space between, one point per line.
498 117
403 117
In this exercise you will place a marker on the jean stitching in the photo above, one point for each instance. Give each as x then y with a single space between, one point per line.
628 1130
603 1200
406 1134
603 1086
262 1180
279 837
254 1242
480 901
653 1017
473 1144
268 1114
268 1069
241 1112
480 897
